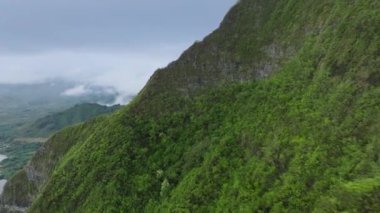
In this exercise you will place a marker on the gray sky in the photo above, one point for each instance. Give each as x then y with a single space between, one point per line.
104 42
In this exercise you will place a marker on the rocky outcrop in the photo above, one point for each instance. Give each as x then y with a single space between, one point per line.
218 58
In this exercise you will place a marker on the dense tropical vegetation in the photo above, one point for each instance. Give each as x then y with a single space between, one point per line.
278 110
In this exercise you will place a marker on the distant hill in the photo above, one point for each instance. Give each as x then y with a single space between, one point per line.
20 148
47 125
21 104
30 113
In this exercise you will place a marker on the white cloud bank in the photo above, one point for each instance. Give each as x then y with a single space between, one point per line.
76 91
127 72
109 43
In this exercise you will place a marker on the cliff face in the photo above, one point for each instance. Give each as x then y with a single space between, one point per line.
240 50
277 110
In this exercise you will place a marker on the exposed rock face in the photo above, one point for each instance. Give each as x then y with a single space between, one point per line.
22 189
218 58
12 209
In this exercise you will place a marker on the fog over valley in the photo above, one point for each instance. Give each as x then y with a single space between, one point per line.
116 44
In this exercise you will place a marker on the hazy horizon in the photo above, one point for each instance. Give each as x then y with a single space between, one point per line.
104 43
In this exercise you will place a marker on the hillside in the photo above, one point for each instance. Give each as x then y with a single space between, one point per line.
47 125
278 110
28 138
24 103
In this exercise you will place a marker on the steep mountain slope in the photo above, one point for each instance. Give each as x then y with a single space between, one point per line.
210 133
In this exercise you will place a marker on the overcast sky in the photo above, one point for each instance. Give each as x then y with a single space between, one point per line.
116 43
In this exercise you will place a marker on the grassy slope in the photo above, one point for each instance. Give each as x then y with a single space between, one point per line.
306 138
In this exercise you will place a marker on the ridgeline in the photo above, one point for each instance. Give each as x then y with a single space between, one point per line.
278 110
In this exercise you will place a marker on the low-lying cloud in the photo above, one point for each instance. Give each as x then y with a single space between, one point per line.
113 43
125 71
79 90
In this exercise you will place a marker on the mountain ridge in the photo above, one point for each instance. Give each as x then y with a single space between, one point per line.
52 123
281 116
